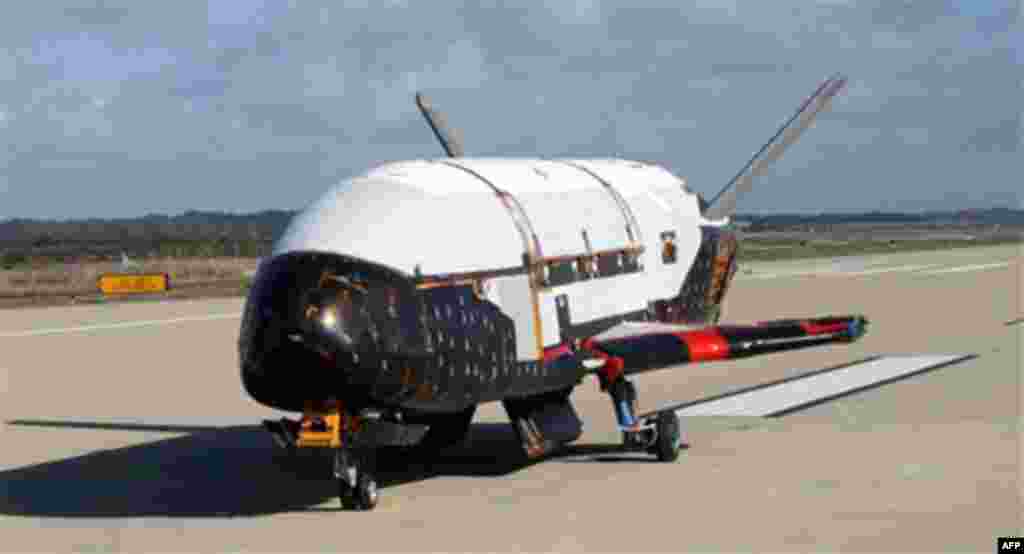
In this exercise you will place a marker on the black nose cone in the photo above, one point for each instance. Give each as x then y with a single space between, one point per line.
315 314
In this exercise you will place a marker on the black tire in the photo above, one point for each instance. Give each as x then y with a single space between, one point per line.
366 494
446 430
347 496
669 436
363 497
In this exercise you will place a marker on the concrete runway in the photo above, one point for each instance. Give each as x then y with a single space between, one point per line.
125 429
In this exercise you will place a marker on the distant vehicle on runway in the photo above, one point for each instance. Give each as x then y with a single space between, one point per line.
405 297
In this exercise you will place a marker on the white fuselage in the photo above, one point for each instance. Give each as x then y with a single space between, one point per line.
487 217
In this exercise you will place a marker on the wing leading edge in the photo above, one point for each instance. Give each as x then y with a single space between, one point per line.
658 347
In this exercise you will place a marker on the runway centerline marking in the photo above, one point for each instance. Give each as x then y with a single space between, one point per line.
118 325
802 391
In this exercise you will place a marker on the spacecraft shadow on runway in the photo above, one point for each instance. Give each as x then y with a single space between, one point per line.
225 472
229 471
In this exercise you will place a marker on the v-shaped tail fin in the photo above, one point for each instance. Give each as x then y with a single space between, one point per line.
450 141
723 205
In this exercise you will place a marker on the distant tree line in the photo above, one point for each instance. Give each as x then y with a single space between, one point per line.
192 234
191 226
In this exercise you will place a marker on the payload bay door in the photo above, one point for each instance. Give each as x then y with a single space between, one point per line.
580 241
591 255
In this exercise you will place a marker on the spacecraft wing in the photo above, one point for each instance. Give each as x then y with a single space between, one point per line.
642 346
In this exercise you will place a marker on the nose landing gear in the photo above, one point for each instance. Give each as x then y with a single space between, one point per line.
331 427
357 486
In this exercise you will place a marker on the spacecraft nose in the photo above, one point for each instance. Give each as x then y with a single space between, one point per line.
317 321
310 302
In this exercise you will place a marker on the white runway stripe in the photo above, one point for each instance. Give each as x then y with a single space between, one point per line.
963 268
896 269
833 271
788 274
119 325
790 394
839 272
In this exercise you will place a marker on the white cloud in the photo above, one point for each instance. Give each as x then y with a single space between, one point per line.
324 79
890 40
576 11
726 7
914 137
714 85
85 123
394 98
463 68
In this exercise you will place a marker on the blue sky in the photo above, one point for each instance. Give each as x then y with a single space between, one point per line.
128 108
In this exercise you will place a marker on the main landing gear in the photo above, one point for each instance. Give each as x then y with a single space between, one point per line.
658 433
331 427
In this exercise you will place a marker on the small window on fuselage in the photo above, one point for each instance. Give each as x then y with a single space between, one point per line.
589 266
630 261
561 273
609 264
584 268
668 247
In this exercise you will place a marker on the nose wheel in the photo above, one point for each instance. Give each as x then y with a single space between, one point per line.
331 427
357 486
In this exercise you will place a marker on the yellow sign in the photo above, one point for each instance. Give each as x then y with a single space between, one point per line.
128 283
